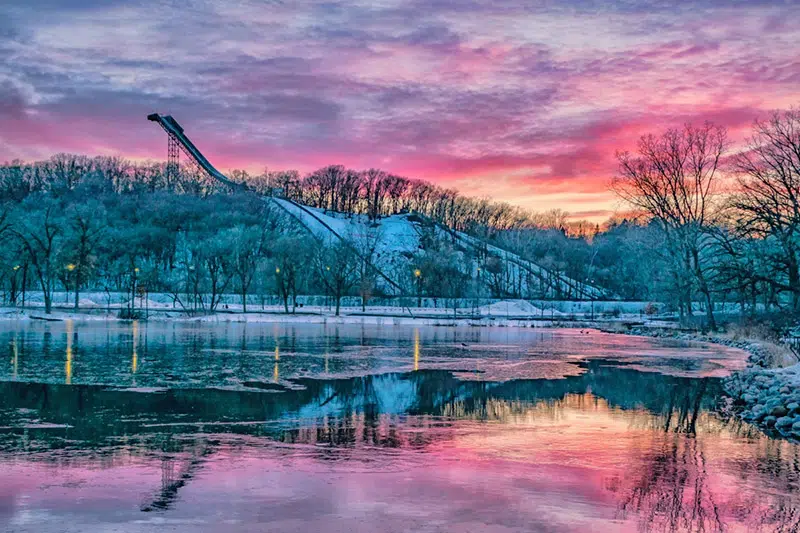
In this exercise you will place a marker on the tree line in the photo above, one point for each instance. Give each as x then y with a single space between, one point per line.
710 225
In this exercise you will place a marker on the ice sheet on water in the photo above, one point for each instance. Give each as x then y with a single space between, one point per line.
160 355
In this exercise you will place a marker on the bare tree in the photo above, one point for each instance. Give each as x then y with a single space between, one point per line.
40 236
337 264
768 201
673 178
85 224
292 254
366 244
247 246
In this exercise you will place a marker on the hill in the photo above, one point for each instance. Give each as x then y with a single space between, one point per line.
398 244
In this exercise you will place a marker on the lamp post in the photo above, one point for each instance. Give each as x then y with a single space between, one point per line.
418 275
70 269
190 286
14 286
133 291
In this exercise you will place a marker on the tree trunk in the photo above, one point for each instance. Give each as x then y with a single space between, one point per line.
24 283
794 280
338 302
48 303
77 291
244 301
712 323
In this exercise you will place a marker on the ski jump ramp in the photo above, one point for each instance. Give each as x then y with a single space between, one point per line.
327 226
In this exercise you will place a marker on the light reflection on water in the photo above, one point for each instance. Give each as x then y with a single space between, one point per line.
368 432
228 355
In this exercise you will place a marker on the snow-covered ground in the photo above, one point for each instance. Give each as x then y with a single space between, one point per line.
164 304
398 239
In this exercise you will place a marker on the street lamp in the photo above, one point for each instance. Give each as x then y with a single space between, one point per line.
418 275
70 269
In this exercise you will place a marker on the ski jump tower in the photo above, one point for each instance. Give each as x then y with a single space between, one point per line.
177 142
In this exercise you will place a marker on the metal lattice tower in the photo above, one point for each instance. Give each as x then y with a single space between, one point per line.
173 159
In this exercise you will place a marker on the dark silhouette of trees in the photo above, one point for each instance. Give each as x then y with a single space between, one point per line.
767 204
673 178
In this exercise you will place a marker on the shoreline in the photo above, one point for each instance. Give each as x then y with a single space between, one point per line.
763 394
352 317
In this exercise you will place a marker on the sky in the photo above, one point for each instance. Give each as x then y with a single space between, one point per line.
523 101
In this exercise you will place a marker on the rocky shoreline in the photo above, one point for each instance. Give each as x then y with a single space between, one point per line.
763 395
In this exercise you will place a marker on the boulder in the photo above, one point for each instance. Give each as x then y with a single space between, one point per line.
779 411
758 412
784 422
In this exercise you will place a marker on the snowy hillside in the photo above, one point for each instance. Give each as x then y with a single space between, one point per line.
397 239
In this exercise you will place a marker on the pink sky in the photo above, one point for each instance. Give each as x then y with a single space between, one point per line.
525 102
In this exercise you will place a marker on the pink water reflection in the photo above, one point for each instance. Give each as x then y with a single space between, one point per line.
571 465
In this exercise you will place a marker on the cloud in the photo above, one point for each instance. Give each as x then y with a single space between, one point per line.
527 101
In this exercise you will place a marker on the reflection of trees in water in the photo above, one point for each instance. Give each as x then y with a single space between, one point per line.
778 461
672 492
178 467
341 418
365 431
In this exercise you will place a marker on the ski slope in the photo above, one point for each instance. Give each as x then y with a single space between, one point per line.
398 239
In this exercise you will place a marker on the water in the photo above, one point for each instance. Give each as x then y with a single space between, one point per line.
134 427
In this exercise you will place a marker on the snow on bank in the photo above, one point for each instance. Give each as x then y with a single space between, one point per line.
516 308
375 320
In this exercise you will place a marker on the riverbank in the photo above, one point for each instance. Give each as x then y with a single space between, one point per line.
500 314
767 393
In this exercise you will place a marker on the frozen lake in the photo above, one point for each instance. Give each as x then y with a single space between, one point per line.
270 427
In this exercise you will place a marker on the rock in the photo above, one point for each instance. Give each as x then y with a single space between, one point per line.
769 421
749 398
796 427
779 411
784 422
793 407
773 403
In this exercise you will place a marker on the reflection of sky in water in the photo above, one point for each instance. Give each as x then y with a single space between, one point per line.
607 448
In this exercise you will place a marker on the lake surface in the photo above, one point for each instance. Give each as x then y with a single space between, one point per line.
262 427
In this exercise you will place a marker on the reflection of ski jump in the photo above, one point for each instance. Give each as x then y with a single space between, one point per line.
173 477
